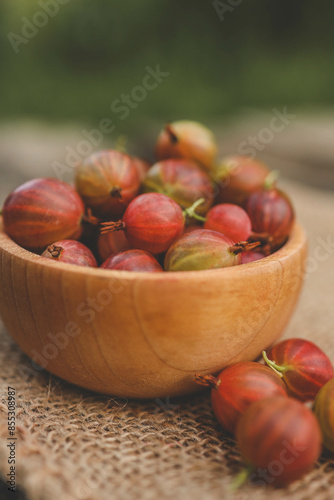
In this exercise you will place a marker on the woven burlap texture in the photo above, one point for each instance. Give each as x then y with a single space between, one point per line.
75 445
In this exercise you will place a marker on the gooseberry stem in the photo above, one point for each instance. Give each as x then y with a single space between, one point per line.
207 381
110 227
263 237
276 368
265 240
270 179
90 219
241 478
190 212
244 246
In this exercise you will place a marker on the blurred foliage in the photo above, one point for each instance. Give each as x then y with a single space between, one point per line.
264 53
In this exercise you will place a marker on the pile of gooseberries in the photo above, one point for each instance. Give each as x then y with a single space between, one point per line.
188 211
191 211
266 409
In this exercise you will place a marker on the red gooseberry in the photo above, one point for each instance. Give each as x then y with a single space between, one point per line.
187 139
239 176
272 215
151 222
230 220
109 243
107 181
281 438
70 252
247 257
239 386
204 249
133 260
182 180
304 367
324 410
42 211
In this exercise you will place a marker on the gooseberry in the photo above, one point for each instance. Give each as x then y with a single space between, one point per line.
239 386
239 176
304 367
70 252
133 260
272 216
107 181
324 410
183 181
109 243
248 257
204 249
42 211
230 220
281 438
151 222
187 139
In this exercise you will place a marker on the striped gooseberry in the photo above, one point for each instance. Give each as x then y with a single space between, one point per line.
280 439
304 367
151 222
183 180
204 249
272 216
239 386
187 139
239 176
107 181
42 211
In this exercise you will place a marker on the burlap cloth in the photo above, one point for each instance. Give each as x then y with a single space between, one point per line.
77 445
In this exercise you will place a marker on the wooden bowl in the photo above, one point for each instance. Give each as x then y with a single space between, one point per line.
140 334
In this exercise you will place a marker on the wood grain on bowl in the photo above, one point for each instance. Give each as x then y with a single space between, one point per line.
141 334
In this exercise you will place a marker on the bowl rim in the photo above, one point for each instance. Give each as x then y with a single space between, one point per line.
295 242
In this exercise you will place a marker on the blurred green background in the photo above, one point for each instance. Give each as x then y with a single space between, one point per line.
262 54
